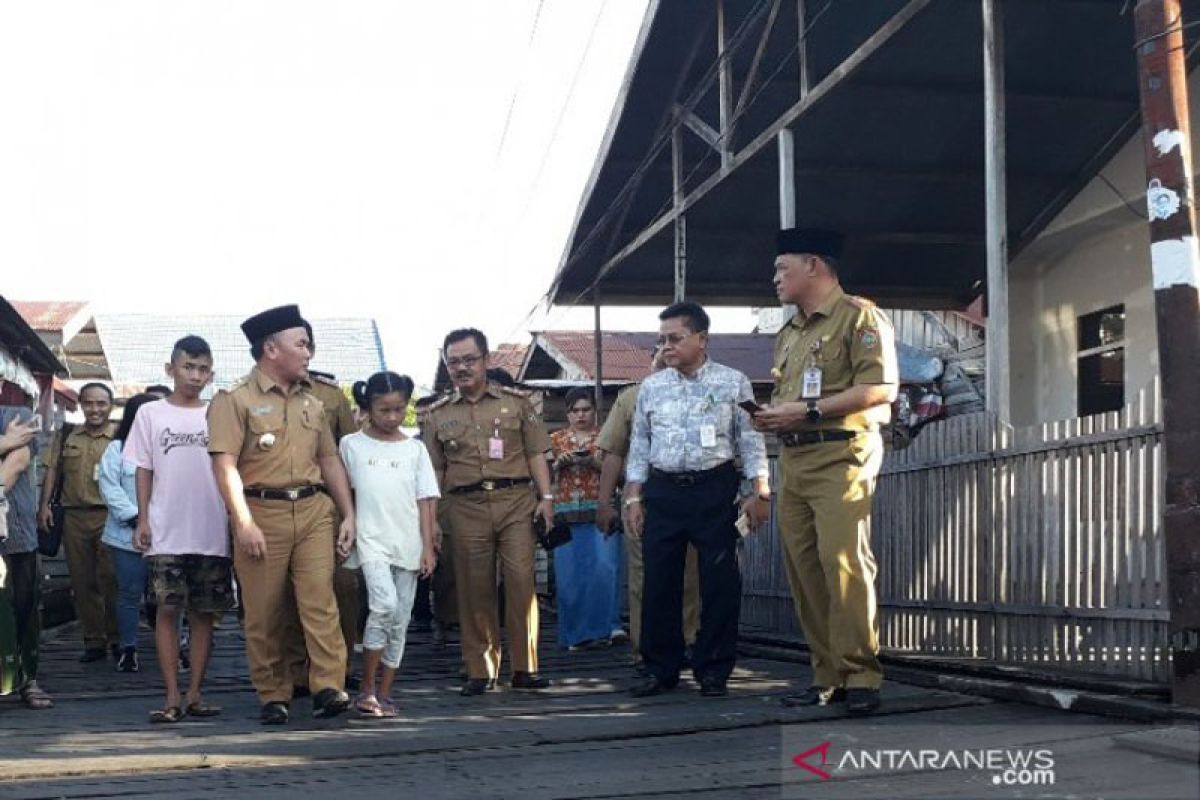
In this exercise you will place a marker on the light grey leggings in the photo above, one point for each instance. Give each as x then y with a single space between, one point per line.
390 594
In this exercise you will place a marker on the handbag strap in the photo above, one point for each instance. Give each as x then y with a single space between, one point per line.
56 495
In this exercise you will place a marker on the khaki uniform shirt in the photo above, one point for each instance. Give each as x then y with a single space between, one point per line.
851 341
81 455
338 414
457 434
276 434
614 436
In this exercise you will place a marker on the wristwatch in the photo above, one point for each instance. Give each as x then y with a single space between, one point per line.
547 497
814 412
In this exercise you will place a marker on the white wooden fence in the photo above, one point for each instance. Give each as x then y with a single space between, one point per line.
1036 546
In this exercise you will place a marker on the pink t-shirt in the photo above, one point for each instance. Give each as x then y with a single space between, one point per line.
187 515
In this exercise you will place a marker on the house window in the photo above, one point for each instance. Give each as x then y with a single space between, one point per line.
1101 367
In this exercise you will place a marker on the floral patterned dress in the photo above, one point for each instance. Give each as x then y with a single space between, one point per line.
577 490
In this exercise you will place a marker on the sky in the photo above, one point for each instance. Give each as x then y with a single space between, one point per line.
415 162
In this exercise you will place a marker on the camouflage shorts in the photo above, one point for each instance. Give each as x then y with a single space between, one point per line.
203 584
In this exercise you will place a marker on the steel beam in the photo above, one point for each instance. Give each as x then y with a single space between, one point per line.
999 400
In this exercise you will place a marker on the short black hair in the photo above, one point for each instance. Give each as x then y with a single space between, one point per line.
427 400
579 393
459 334
157 388
831 263
694 313
95 385
312 340
191 345
380 383
256 349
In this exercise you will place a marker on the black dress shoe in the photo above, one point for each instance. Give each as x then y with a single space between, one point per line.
815 696
650 687
275 713
477 686
329 703
529 681
862 701
92 654
711 687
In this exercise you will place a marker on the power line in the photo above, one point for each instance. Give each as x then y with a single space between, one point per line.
512 103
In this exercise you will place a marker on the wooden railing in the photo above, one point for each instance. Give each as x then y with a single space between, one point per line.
1035 546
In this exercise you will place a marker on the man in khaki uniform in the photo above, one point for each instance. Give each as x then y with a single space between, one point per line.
488 446
614 441
340 418
835 370
276 466
93 583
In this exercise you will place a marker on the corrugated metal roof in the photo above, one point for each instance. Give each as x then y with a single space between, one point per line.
48 316
137 345
622 358
508 357
627 355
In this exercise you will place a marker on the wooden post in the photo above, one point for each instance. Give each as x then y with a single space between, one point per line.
999 400
802 47
725 84
787 179
1175 271
599 371
680 221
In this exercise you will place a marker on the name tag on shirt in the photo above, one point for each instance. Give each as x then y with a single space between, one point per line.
708 435
810 387
495 449
96 471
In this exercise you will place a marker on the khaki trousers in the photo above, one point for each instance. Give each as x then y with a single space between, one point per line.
345 593
489 526
93 582
445 600
825 527
637 584
299 561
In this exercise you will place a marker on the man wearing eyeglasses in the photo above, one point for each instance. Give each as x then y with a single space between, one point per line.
682 487
836 376
488 449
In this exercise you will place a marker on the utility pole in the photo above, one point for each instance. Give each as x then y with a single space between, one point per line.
1175 268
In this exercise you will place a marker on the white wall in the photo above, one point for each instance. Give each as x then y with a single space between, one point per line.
1094 254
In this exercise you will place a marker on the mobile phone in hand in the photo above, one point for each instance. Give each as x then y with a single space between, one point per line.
750 407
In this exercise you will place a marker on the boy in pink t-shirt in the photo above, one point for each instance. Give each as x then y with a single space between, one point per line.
182 525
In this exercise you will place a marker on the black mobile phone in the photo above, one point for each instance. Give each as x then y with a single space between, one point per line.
750 407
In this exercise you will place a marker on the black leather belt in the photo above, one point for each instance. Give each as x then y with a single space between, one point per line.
686 480
294 494
815 437
489 486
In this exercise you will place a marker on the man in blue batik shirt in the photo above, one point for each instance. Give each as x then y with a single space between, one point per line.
682 486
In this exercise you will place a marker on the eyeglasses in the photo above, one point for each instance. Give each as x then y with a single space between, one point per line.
673 339
465 361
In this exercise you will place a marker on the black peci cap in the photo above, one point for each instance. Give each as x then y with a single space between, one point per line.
273 320
810 241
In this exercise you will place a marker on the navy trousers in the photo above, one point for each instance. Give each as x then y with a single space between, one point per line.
704 515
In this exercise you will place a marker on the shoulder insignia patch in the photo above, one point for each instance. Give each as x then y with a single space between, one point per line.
859 302
869 338
514 391
325 378
441 402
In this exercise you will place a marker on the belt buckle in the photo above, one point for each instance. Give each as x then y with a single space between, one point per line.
293 494
488 486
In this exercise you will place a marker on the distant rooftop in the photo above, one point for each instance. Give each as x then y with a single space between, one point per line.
137 345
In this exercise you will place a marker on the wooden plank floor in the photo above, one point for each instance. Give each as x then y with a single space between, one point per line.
583 738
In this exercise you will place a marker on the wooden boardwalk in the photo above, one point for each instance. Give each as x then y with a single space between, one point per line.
583 738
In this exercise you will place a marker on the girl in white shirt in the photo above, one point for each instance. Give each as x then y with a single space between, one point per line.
395 498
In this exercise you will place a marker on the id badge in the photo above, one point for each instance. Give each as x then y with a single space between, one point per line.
810 388
708 436
495 448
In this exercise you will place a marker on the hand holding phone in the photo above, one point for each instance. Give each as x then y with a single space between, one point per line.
750 407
